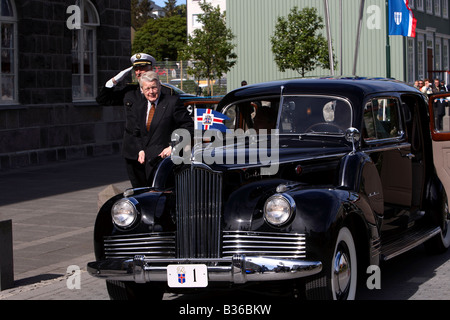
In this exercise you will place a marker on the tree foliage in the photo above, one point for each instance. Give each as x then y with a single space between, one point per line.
162 38
210 47
170 8
298 43
140 12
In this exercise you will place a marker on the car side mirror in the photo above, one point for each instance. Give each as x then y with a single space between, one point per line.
353 135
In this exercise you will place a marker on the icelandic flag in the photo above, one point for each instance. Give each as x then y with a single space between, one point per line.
401 19
208 119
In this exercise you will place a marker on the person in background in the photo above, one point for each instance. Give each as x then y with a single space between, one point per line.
436 88
426 89
119 90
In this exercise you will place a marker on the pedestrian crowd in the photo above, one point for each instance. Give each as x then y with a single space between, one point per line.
428 87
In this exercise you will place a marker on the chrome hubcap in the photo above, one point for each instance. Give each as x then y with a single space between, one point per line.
341 273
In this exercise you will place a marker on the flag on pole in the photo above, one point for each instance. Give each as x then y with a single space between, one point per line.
208 119
401 19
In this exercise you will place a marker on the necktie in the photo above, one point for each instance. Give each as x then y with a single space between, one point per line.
150 116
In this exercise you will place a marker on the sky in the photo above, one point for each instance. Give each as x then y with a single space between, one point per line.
161 3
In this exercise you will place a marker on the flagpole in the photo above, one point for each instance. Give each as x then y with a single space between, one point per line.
358 36
388 44
330 45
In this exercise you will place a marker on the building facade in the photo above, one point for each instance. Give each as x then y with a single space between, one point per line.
193 10
428 53
55 55
253 22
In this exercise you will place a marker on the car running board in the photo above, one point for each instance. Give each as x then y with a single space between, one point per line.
406 241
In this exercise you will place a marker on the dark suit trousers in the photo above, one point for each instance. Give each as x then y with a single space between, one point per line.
136 173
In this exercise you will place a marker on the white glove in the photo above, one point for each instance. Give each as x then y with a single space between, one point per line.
118 77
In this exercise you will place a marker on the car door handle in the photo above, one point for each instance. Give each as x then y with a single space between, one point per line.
409 155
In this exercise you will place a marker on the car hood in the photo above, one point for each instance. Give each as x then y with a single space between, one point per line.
288 149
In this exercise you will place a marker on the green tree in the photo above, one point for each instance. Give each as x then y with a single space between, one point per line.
162 38
298 43
140 12
170 8
211 47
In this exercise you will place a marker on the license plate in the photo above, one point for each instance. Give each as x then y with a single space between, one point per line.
187 276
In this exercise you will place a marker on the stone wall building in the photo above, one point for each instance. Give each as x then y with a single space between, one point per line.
54 57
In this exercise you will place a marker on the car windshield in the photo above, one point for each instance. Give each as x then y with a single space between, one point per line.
315 114
299 115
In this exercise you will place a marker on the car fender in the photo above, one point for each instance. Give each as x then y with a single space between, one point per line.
155 215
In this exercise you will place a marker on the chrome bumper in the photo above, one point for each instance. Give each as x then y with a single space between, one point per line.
238 269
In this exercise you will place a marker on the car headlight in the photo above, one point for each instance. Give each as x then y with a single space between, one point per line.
278 209
124 213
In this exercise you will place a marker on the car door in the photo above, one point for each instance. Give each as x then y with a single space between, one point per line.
439 107
387 145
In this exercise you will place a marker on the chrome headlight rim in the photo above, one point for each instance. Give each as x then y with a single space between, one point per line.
287 216
120 220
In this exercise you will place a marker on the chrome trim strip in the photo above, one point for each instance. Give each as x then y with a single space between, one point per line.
237 269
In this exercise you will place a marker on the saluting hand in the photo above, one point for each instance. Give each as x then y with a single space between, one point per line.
118 77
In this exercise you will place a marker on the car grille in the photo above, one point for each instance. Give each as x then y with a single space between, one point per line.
152 245
162 245
275 245
198 209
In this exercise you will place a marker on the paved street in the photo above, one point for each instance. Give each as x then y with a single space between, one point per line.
53 210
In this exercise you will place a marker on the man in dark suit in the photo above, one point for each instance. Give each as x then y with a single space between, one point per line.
158 117
119 90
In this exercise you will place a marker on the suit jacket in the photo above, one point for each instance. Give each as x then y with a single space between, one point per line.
132 98
170 114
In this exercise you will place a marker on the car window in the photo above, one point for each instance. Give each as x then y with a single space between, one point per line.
381 119
255 114
299 114
315 114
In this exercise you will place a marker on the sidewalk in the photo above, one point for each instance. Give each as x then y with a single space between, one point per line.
53 211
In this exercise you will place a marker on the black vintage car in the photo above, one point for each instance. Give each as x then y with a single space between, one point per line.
332 176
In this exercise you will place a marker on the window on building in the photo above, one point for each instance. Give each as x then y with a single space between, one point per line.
8 58
84 54
421 57
429 6
437 55
195 22
445 55
418 5
411 64
437 7
445 9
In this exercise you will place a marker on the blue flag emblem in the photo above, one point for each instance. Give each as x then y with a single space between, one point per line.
401 19
208 119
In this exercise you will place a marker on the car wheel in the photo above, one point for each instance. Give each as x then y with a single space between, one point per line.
119 290
339 277
441 242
